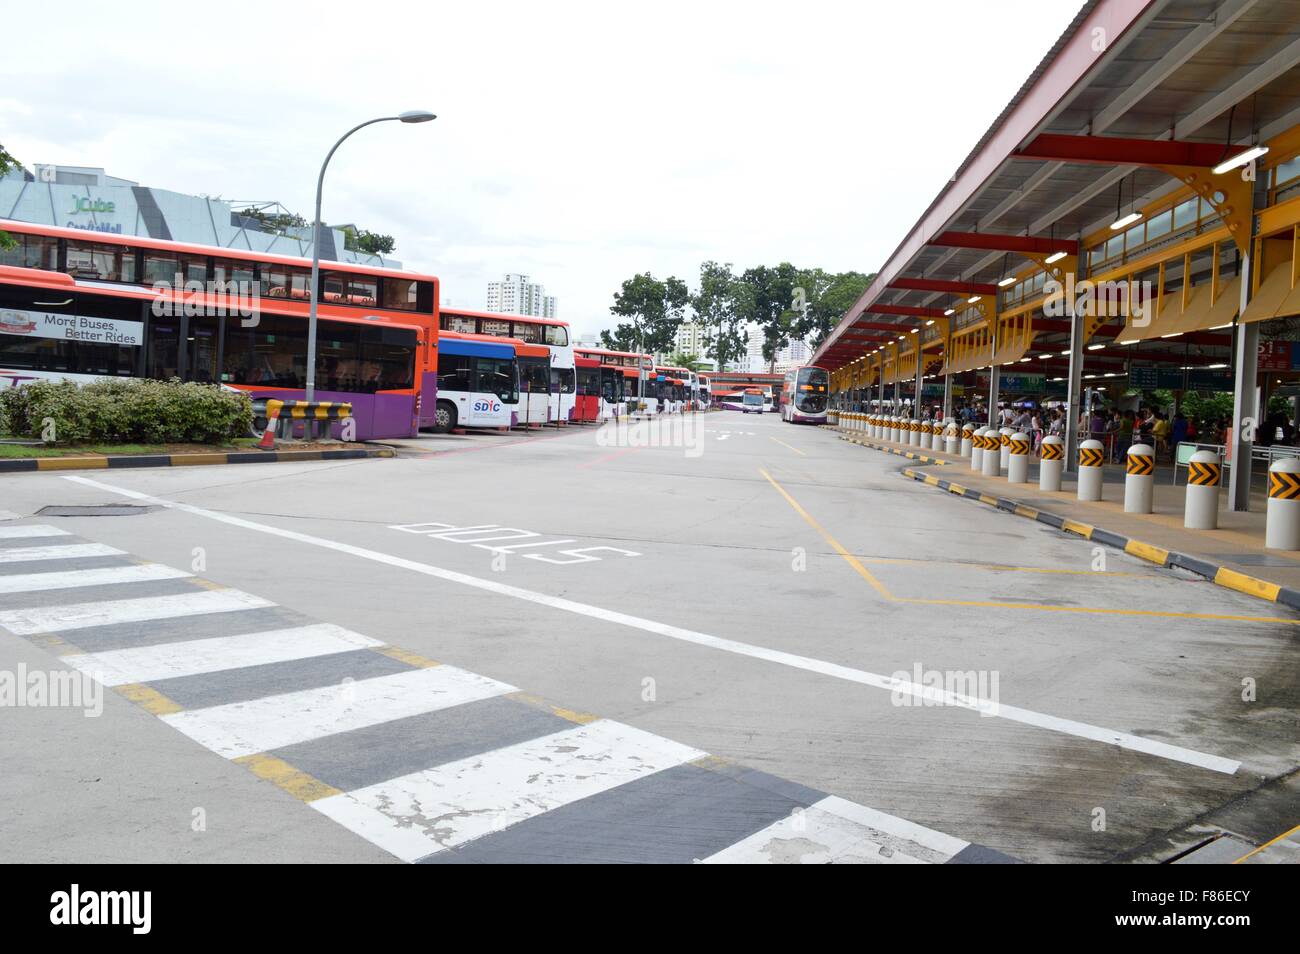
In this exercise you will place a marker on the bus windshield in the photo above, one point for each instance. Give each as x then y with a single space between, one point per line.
754 400
811 390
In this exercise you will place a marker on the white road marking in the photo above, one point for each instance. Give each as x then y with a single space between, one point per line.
1083 730
72 551
580 555
30 530
58 619
837 831
101 576
260 725
418 814
119 667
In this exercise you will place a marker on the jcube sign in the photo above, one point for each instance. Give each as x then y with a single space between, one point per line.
85 205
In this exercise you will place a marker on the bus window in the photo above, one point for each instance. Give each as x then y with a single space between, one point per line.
31 251
535 375
562 380
527 331
400 293
458 323
496 376
557 335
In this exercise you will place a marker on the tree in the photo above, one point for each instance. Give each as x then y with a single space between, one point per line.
828 296
691 362
769 301
654 311
717 307
7 162
363 240
274 222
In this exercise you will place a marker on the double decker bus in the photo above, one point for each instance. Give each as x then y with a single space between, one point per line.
588 395
706 393
561 385
617 385
78 305
804 395
478 381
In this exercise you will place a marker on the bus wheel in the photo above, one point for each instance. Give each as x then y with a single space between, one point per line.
444 417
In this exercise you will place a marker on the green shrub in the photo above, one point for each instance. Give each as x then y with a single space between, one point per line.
117 410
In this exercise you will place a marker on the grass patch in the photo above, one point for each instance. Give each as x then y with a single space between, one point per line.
14 451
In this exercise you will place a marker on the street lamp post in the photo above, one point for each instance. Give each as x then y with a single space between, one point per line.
411 116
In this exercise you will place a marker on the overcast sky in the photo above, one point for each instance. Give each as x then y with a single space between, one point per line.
577 143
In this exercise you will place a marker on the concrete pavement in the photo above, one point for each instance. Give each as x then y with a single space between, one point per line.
766 595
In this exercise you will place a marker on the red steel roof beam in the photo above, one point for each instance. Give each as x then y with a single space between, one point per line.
1121 151
939 285
993 242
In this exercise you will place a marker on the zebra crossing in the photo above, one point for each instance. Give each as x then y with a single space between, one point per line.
430 762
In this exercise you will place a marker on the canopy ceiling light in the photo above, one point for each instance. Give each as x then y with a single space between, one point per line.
1241 159
1121 220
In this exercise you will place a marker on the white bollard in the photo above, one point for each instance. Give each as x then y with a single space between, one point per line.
873 428
951 438
977 450
967 439
1004 442
1092 459
1201 508
928 430
914 432
891 428
1051 463
1018 463
1282 523
992 466
1139 478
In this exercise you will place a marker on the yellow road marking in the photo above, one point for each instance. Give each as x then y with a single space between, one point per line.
825 534
784 444
975 565
1246 584
1109 611
1274 841
537 702
304 787
406 656
149 699
1082 529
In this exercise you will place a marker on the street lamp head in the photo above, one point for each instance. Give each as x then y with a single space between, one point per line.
416 116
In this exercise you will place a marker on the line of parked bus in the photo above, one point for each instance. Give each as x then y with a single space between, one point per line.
82 305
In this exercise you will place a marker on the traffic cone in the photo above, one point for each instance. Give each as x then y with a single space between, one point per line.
268 436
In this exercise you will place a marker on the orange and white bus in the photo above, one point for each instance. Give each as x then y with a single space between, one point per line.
80 305
618 378
562 385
